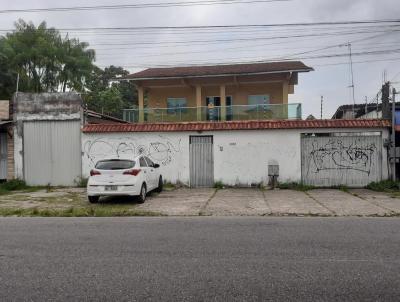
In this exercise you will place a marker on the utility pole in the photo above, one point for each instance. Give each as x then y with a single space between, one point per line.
352 79
366 105
322 102
393 144
385 101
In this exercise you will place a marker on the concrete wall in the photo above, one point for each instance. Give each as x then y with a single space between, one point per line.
240 157
40 107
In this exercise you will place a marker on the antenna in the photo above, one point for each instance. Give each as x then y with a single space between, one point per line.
322 102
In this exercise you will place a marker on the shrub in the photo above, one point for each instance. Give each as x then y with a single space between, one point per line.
384 185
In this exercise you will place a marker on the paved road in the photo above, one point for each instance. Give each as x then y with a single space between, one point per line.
199 259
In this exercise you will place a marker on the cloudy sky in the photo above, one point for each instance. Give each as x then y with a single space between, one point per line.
137 49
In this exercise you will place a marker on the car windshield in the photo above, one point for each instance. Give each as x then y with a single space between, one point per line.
115 164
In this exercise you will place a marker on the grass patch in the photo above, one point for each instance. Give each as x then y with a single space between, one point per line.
342 188
16 185
384 186
218 185
81 182
94 211
295 186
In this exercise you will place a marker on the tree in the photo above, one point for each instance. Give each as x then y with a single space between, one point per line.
44 60
101 81
110 101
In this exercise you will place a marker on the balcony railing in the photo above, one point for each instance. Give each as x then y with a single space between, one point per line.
232 113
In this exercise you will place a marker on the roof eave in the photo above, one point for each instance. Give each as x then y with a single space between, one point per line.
217 75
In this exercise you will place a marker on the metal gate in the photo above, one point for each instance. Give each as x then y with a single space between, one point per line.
201 161
3 155
52 152
353 161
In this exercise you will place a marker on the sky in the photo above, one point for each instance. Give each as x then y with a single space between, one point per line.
136 50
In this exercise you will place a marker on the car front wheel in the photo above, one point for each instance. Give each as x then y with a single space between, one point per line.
143 192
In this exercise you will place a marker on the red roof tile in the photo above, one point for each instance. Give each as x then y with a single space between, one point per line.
235 125
235 69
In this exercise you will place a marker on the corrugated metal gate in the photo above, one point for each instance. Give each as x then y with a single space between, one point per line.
3 155
341 160
52 152
201 161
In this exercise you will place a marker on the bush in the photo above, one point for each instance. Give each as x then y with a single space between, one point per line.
384 185
218 185
13 185
81 182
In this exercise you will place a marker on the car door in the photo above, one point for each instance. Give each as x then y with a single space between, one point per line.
153 172
146 173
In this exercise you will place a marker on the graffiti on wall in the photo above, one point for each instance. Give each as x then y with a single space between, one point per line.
335 155
161 150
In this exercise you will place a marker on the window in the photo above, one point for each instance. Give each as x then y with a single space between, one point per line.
258 101
176 105
142 162
149 162
115 164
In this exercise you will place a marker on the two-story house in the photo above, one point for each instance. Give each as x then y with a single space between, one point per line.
216 93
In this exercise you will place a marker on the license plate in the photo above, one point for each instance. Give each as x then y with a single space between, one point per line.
110 188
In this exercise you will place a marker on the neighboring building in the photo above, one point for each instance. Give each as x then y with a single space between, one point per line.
6 142
93 117
216 93
370 111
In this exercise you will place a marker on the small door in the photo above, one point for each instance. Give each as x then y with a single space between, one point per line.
201 161
213 108
3 155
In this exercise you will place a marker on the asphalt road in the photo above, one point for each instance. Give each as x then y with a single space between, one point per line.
199 259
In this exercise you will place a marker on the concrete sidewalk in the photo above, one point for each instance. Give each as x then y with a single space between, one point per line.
256 202
224 202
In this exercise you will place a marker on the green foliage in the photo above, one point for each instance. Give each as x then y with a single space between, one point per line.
110 99
295 186
384 186
81 182
13 185
45 61
218 185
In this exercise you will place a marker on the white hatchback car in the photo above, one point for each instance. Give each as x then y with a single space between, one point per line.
118 177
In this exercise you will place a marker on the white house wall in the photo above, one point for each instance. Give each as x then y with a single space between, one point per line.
240 157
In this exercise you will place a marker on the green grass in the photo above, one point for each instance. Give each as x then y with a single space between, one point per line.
81 182
16 185
218 185
92 211
384 186
295 186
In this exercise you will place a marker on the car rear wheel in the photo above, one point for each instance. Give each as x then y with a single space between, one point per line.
93 199
160 185
143 192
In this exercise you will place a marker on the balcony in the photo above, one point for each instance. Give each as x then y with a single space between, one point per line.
214 114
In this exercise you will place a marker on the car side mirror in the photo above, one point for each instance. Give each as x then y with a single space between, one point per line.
156 166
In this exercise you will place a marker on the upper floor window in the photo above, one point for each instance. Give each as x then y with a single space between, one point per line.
176 105
258 101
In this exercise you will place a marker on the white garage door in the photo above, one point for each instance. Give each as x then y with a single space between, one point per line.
52 152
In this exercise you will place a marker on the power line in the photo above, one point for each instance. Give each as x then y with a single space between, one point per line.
137 6
306 24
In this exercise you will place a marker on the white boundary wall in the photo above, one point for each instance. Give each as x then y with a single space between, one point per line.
240 157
